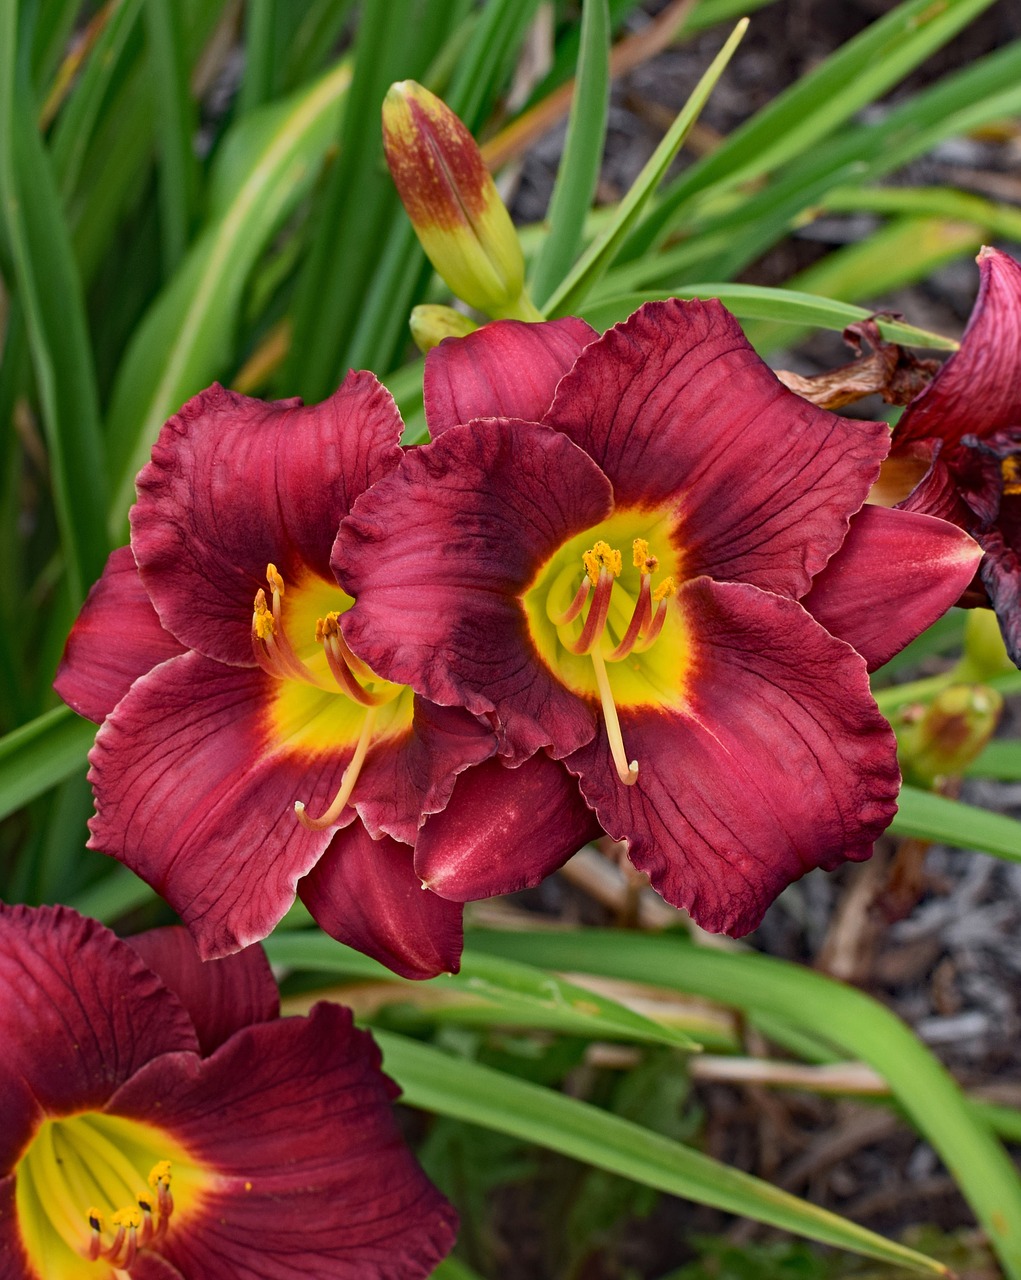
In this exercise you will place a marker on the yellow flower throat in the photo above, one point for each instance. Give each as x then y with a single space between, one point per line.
85 1209
605 626
327 697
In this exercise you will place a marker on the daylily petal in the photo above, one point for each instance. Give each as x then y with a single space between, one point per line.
772 760
896 573
508 369
221 996
1001 572
314 1177
678 410
366 893
442 548
409 776
116 638
978 390
235 484
504 830
81 1013
190 790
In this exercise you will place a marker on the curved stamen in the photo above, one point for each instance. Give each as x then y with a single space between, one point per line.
628 773
337 652
643 608
596 620
270 644
576 605
96 1238
359 669
347 782
660 596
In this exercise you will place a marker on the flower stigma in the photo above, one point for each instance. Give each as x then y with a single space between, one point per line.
80 1200
595 633
281 645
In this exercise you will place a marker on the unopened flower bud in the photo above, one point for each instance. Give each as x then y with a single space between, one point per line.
940 740
431 323
985 654
453 203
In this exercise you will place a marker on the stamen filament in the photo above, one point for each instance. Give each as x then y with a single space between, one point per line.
576 605
643 608
345 677
347 782
357 666
272 649
596 620
628 773
661 595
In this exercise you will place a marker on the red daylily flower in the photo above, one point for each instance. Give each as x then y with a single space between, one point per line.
215 721
618 561
159 1120
957 446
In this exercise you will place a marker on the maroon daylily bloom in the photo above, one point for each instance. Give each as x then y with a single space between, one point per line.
957 446
204 747
622 583
159 1120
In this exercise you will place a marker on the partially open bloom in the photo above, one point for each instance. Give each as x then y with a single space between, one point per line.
959 441
453 203
210 651
645 557
159 1120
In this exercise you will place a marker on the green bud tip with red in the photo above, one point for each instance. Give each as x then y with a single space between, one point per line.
452 201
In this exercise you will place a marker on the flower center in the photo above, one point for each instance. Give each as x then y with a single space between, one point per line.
84 1206
603 621
328 696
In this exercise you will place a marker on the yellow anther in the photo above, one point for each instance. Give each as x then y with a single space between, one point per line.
127 1218
144 1204
602 556
643 561
262 619
327 627
666 588
274 579
95 1218
1010 470
159 1173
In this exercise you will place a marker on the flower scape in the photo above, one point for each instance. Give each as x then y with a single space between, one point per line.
160 1120
631 586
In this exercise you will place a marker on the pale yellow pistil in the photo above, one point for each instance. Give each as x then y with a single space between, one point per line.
602 565
347 782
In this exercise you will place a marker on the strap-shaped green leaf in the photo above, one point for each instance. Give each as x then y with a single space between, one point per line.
857 1025
583 152
50 291
451 1086
596 260
760 302
40 754
928 816
511 987
857 73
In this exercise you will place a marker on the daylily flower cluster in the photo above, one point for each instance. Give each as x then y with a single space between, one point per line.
630 585
159 1120
212 654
